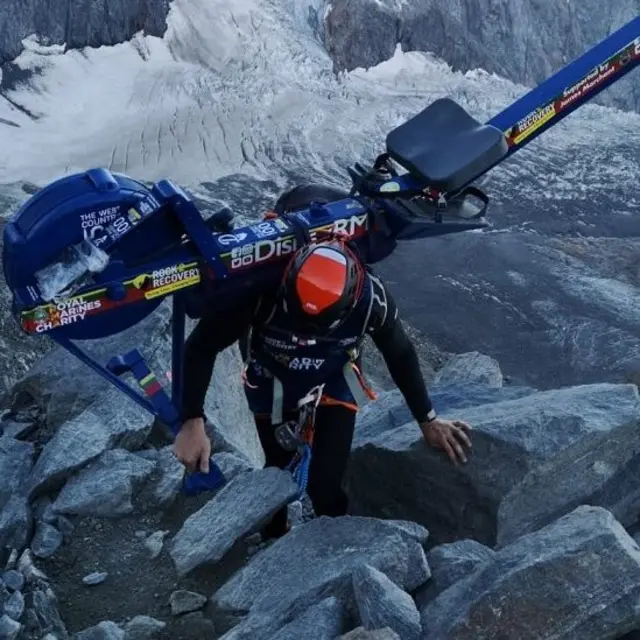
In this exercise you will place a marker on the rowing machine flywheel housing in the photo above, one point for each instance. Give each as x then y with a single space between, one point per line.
79 213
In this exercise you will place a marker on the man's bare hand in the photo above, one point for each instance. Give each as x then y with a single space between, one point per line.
448 435
192 446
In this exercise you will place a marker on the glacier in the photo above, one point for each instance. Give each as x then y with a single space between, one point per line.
247 87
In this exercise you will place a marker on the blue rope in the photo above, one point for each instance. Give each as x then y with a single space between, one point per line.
299 468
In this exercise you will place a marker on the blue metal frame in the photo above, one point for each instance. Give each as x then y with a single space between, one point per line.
570 75
626 38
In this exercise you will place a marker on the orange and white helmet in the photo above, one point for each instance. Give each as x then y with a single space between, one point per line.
321 285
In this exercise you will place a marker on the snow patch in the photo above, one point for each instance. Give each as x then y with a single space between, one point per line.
245 87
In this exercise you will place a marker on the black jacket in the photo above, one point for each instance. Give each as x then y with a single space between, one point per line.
220 329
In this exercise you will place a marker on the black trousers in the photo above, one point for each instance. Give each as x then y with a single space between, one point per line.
332 440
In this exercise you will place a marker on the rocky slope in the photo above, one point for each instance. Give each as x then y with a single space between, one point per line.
518 39
77 23
98 541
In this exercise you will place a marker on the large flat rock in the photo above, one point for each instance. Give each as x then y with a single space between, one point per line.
226 406
16 460
239 507
535 458
578 577
449 563
106 486
390 411
315 561
326 619
114 421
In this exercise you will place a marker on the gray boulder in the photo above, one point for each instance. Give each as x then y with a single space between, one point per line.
578 577
237 509
154 543
229 412
28 569
143 628
450 563
16 461
165 489
381 604
12 580
390 411
42 616
315 561
360 633
14 606
46 541
165 482
534 459
105 630
325 618
9 628
471 367
111 422
182 602
105 487
231 465
16 522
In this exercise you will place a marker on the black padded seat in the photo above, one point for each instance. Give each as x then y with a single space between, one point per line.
446 146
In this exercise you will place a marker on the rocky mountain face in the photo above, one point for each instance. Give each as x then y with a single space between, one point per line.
521 40
78 23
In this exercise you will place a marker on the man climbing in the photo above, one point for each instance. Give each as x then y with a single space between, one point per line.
301 345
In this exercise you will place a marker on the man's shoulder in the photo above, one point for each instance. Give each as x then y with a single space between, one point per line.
376 302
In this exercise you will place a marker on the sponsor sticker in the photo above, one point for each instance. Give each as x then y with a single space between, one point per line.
353 226
261 251
306 364
170 279
94 223
134 216
533 122
281 224
578 90
63 313
265 229
227 239
100 217
264 250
